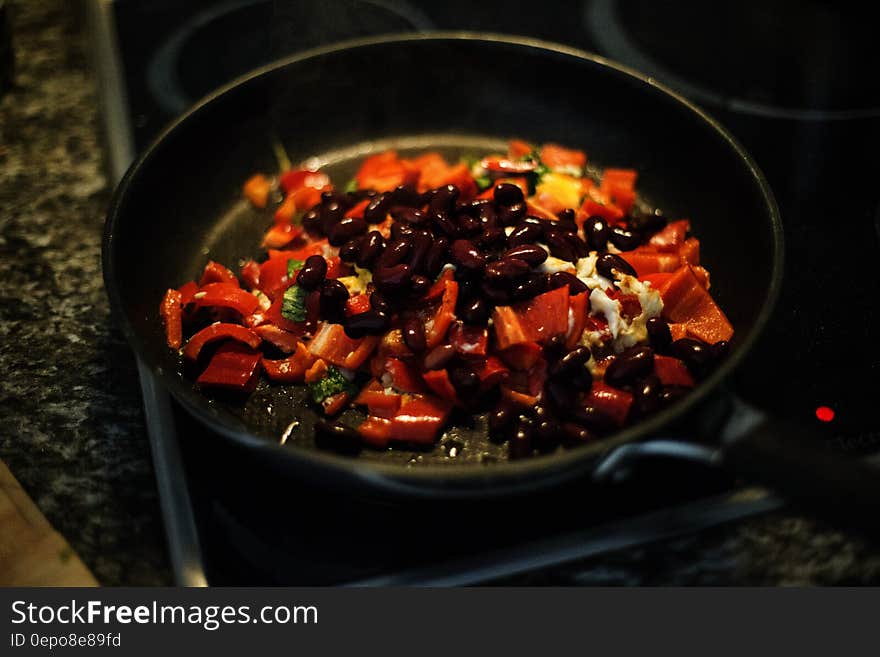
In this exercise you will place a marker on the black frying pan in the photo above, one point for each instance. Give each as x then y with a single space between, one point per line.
180 204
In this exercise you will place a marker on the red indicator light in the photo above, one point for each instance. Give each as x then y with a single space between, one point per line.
824 414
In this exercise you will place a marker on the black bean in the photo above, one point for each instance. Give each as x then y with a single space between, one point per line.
696 355
596 233
658 333
576 243
337 437
607 262
501 418
350 251
560 247
443 198
377 208
511 214
508 194
487 215
561 394
468 225
720 350
646 395
532 254
560 279
570 363
421 241
630 365
525 233
366 323
496 291
333 297
492 236
624 240
574 434
409 215
520 444
466 255
331 214
312 273
443 223
465 381
593 418
371 248
649 222
331 196
390 280
473 311
507 269
537 283
311 221
399 230
414 334
439 357
436 256
406 195
419 285
671 394
379 303
394 253
345 230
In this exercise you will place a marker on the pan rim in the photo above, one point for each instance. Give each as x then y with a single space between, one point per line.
453 479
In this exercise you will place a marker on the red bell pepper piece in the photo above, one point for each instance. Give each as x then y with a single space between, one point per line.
438 325
420 419
220 331
517 148
384 172
304 187
612 403
670 238
579 306
598 204
281 234
672 371
646 261
376 431
623 177
286 211
536 320
286 341
556 156
250 274
378 402
335 403
273 278
291 369
469 341
226 295
357 211
498 164
187 293
316 371
359 303
274 316
333 345
689 251
256 189
619 186
439 287
404 376
702 275
522 356
535 209
439 383
656 280
522 399
171 310
216 273
233 367
685 300
491 373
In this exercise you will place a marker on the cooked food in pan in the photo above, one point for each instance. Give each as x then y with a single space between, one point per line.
520 284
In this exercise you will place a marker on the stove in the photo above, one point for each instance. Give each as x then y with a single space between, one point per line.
794 81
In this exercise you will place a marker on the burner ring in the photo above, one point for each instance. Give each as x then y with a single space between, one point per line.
603 22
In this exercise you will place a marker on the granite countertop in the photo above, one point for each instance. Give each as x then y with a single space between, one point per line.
73 429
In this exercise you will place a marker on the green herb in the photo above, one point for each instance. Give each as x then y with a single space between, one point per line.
333 383
540 167
293 306
483 182
352 185
293 265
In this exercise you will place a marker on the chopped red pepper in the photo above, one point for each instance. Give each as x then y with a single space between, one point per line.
685 300
286 341
437 326
420 419
439 383
469 341
578 308
376 431
219 331
281 234
316 371
286 211
304 187
518 148
291 369
404 376
556 156
357 211
216 273
689 251
498 164
359 303
491 372
598 204
671 237
171 311
648 261
333 345
187 292
226 295
522 356
335 403
384 172
672 371
612 403
536 320
257 189
377 401
250 274
233 367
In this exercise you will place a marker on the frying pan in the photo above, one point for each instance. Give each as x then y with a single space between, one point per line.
180 204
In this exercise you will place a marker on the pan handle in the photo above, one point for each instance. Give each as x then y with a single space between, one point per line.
791 459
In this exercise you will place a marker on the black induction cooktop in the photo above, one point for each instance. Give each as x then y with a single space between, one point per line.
794 81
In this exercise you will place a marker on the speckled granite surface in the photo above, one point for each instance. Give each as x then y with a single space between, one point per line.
72 428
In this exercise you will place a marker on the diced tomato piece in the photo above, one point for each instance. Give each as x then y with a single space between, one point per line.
651 262
376 431
670 238
522 356
689 251
171 311
232 367
256 190
556 156
491 372
578 305
438 325
613 403
227 295
536 320
439 383
291 369
286 341
685 300
333 345
281 234
518 148
469 341
359 303
672 371
219 331
250 274
214 272
420 419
